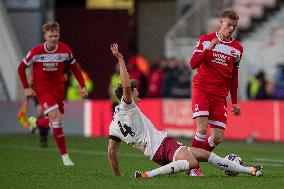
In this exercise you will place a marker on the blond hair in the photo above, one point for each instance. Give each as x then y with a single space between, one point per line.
230 14
50 26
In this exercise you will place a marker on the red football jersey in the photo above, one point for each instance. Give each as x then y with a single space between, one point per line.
215 71
48 66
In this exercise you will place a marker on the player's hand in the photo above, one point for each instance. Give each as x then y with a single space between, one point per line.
115 52
213 43
84 92
236 110
29 92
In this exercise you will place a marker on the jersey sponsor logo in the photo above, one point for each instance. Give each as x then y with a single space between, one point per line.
50 66
220 59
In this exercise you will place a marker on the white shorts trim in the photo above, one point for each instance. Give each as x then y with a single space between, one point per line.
217 123
200 113
174 158
50 109
56 125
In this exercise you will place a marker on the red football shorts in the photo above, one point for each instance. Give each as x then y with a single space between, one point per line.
51 99
212 106
167 151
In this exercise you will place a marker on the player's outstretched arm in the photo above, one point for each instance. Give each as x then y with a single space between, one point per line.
125 81
112 156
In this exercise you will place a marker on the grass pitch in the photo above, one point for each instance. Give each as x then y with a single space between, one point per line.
23 164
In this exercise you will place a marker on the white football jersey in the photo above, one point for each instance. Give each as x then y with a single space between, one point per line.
133 127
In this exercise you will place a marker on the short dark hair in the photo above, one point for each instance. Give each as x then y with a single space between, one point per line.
119 89
52 26
230 14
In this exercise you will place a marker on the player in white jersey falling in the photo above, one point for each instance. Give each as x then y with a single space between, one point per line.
133 127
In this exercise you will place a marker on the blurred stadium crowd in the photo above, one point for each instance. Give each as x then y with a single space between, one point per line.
162 72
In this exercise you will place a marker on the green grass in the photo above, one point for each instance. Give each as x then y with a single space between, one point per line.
23 164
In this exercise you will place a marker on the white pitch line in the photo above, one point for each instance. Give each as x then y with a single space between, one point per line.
269 160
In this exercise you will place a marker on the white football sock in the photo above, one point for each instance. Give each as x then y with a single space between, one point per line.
173 167
227 165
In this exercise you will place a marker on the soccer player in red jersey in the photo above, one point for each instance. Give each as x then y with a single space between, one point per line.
48 60
216 58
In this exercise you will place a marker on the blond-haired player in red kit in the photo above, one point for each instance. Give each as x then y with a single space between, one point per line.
48 60
216 58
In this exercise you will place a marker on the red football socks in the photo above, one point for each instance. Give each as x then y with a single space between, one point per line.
59 137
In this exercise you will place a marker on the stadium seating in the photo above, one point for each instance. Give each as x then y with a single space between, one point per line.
9 57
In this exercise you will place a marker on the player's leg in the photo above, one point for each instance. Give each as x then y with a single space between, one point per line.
51 102
223 163
173 156
216 137
42 123
183 162
217 121
200 109
56 122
